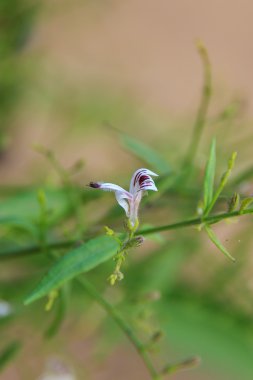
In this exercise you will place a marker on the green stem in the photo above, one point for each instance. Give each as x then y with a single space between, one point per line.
203 107
91 290
167 227
196 221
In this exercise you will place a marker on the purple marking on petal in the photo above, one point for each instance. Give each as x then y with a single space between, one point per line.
95 185
138 176
147 184
143 178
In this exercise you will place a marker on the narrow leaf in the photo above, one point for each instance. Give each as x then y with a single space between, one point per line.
8 353
146 154
77 261
245 203
24 206
216 242
185 364
222 184
209 176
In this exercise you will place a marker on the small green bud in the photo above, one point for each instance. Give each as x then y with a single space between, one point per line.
112 233
109 231
116 276
134 242
157 336
234 202
112 279
41 196
51 298
231 161
120 276
200 208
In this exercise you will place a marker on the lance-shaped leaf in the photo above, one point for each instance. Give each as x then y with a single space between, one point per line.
216 241
77 261
223 182
23 207
146 154
209 176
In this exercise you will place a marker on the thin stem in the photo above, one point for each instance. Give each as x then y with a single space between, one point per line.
203 107
117 275
91 290
167 227
196 221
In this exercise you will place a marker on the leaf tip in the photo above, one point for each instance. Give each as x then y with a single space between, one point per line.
29 299
26 302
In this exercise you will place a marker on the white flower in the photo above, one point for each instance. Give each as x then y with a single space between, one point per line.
130 200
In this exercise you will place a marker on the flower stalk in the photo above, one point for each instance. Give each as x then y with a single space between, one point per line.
130 242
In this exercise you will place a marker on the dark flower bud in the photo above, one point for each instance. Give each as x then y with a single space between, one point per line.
95 185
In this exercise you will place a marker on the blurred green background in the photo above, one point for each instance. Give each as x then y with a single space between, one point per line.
108 87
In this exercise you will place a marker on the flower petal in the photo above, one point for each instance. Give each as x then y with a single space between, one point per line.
141 181
110 187
121 199
120 193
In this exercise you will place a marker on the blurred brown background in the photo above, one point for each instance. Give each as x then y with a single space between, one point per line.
141 52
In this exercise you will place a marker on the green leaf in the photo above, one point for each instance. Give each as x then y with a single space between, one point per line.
245 203
209 176
8 353
146 154
20 224
222 184
24 208
216 242
77 261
